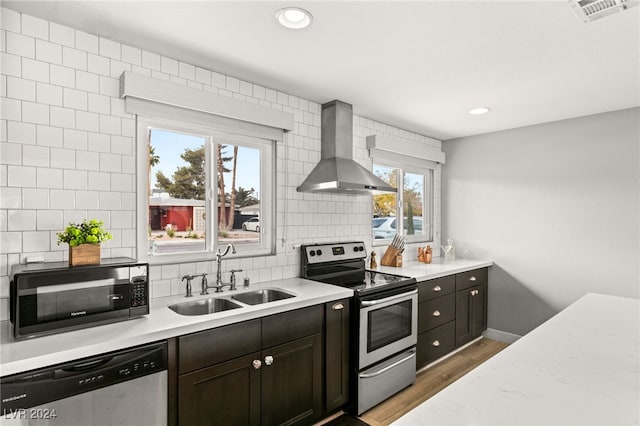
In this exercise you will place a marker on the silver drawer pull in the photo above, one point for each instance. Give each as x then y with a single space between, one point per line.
268 360
256 364
474 292
436 343
473 278
437 288
337 306
436 313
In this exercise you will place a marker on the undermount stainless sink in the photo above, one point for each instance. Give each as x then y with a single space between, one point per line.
266 295
203 307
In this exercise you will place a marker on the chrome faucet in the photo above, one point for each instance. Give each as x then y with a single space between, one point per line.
219 283
188 278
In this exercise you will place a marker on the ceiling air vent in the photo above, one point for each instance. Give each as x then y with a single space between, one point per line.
590 10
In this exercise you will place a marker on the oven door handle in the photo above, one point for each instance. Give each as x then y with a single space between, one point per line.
388 299
389 367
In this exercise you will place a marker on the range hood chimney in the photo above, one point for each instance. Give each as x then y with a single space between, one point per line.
337 172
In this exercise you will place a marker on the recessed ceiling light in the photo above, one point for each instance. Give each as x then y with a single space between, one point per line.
294 18
479 111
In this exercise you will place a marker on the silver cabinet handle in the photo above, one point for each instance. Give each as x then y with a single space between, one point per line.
337 306
436 313
436 343
474 292
412 354
388 299
437 288
268 360
256 364
473 278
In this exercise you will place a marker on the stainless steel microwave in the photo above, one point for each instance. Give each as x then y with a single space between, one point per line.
51 297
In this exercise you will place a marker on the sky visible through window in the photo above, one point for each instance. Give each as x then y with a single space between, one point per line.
169 146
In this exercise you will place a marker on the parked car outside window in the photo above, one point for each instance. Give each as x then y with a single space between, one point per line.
252 224
385 227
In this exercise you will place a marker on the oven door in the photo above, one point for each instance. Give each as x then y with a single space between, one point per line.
388 325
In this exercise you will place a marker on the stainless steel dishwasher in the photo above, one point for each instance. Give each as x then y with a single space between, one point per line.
127 387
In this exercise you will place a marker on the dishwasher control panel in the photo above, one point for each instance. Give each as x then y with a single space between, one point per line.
26 390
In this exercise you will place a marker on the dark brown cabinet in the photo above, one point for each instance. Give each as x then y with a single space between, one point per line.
266 371
471 305
452 311
337 328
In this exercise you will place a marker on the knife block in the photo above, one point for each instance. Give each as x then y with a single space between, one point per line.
392 257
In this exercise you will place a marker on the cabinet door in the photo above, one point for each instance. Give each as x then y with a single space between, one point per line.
470 313
224 394
292 382
337 354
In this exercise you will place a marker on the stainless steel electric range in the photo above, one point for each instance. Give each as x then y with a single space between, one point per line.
384 324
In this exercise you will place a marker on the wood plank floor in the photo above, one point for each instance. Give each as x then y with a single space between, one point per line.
433 380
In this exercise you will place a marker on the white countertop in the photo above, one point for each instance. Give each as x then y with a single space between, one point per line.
581 367
436 269
22 355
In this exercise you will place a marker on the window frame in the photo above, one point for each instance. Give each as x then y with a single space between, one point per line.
428 171
212 135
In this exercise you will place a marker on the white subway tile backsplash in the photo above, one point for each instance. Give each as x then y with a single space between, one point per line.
35 27
48 52
203 76
35 113
87 121
110 49
86 42
9 20
87 160
63 158
99 181
21 132
98 65
131 55
62 199
99 142
87 82
21 176
118 67
187 71
11 153
49 94
18 88
11 64
34 198
49 178
35 241
11 109
99 103
49 136
32 70
75 99
109 86
20 45
110 201
74 139
122 145
49 220
111 125
34 155
110 162
21 220
75 179
62 117
10 198
151 60
10 242
122 182
169 66
87 200
62 35
62 76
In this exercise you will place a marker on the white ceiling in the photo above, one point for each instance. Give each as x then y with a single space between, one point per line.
418 65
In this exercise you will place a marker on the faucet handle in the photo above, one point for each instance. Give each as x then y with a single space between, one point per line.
188 278
233 278
205 284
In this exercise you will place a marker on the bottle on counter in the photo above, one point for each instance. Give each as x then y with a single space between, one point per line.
373 264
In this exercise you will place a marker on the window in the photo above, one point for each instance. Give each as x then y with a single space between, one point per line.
205 188
414 204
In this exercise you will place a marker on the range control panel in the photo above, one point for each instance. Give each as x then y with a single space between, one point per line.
321 253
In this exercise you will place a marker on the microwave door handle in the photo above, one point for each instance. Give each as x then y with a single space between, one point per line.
388 299
388 367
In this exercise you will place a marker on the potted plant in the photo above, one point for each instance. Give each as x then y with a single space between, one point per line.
84 241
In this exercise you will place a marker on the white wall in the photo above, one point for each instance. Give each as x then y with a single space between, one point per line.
555 205
68 152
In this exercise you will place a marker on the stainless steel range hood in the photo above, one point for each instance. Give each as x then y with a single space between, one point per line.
337 172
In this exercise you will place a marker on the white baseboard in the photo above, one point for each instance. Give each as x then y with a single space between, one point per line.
501 336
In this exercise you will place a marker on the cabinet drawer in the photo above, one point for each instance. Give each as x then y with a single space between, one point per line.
206 348
470 279
435 288
292 325
435 343
435 312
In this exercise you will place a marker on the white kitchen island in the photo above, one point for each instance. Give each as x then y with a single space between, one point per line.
581 367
